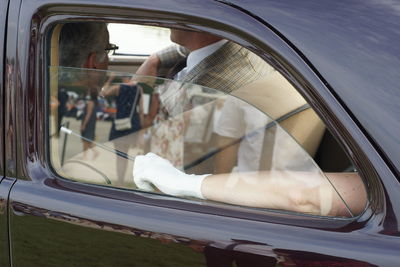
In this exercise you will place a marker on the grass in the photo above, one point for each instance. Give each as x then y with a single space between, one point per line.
38 241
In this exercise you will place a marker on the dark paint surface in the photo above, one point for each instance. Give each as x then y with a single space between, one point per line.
63 219
192 231
3 20
12 80
354 45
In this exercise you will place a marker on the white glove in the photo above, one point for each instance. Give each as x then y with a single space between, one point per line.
152 169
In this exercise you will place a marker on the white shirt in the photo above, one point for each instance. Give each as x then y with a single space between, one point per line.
239 119
196 56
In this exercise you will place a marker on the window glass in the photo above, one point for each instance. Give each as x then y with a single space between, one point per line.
226 128
143 40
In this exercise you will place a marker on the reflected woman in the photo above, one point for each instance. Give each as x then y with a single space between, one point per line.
88 125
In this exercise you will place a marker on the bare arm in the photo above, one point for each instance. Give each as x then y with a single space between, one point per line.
289 191
226 159
305 192
149 66
147 120
109 89
147 72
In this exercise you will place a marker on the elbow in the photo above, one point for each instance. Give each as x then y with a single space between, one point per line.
308 200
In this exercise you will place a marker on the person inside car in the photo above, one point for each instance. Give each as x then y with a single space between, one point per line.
205 59
198 58
93 40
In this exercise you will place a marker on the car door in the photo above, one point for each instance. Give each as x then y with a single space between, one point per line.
5 183
55 221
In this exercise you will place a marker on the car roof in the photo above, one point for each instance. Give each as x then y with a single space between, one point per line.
355 46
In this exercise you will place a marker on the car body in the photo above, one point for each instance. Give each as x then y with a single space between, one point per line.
343 57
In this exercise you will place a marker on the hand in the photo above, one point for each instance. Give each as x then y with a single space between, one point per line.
83 127
152 169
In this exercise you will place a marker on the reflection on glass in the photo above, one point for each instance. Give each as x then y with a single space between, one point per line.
199 131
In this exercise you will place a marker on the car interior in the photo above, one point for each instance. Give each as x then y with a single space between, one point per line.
110 162
320 143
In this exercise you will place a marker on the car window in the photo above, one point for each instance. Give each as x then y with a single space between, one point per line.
228 129
143 40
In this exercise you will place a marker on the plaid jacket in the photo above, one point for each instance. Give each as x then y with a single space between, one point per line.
226 70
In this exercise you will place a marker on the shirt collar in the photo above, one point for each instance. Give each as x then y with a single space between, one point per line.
196 56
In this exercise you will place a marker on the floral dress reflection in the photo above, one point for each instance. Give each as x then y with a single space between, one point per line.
167 133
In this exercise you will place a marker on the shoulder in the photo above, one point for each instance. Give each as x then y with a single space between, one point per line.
170 55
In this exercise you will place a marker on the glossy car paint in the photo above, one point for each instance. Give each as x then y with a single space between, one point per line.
4 185
69 223
10 89
3 20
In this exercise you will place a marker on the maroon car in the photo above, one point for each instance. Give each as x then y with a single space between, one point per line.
285 151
